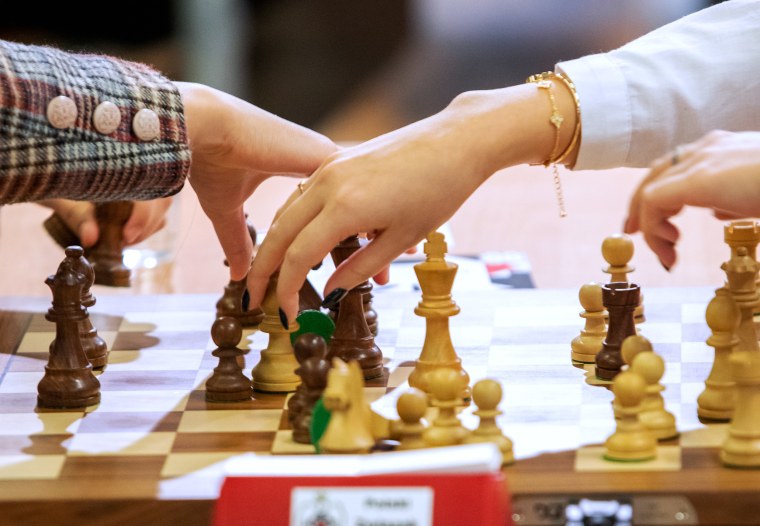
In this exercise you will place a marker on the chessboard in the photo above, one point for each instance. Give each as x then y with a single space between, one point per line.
153 449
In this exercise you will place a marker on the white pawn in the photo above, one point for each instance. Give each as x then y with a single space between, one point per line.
588 343
446 430
617 250
411 407
654 416
631 347
487 395
631 441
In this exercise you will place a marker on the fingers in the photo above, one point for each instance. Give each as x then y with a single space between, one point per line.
79 216
232 232
147 218
291 223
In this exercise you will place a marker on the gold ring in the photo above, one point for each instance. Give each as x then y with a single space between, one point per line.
300 186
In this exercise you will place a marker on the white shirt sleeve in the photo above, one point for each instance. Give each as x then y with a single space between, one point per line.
669 87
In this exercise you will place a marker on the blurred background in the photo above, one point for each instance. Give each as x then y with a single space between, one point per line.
354 69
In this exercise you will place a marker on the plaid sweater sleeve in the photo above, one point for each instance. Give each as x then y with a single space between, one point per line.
39 161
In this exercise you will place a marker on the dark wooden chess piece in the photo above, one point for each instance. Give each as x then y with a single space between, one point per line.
369 312
311 351
234 301
352 339
106 255
620 299
68 381
94 347
227 383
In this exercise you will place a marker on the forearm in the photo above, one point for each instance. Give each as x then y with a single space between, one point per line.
511 126
73 155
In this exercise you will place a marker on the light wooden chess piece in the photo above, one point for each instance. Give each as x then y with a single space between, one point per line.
617 251
275 372
717 401
411 407
741 271
588 343
743 233
227 383
349 429
742 445
634 345
631 441
487 395
654 416
436 278
446 429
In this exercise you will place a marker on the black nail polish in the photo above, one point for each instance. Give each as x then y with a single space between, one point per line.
332 299
284 319
317 266
667 268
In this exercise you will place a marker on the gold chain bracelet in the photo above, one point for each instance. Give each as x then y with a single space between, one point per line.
545 81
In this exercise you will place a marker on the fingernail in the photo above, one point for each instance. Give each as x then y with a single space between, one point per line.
317 266
284 319
667 268
332 299
625 226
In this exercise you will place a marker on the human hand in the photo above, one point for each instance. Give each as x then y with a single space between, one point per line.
720 171
236 146
147 218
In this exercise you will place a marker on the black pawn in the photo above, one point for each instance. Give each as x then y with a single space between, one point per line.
620 299
68 381
94 347
310 351
227 383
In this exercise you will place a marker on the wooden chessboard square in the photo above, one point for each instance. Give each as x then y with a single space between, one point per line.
591 458
160 340
527 443
121 443
696 352
105 467
173 321
507 357
178 464
284 444
521 315
555 394
398 376
41 423
36 342
222 440
155 360
27 363
20 382
129 422
35 444
197 402
147 380
695 332
661 332
663 312
230 421
693 313
25 467
149 401
548 335
712 436
670 352
19 403
391 320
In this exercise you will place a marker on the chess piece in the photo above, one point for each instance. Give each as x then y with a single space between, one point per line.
106 255
436 278
487 395
227 383
68 381
717 400
310 351
742 445
617 251
653 415
743 233
235 300
94 346
411 406
445 392
634 345
631 441
309 298
588 343
352 339
620 300
741 271
349 429
275 372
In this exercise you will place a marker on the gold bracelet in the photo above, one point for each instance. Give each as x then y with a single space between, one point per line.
545 81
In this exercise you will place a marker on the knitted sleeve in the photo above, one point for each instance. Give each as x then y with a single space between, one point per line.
81 158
